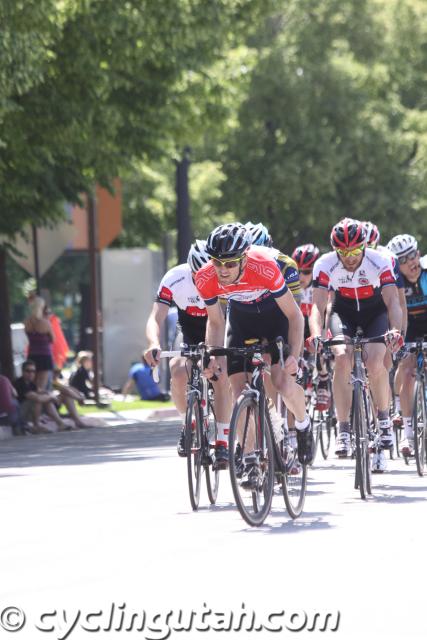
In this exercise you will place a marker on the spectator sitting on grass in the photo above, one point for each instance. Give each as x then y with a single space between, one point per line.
81 379
141 375
32 402
68 396
9 407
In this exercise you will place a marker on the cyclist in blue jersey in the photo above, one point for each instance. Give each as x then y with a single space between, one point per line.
414 272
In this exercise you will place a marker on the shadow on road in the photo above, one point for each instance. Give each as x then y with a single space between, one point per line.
97 445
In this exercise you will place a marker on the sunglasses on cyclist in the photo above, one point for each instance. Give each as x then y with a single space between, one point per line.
404 259
29 370
230 263
306 272
350 253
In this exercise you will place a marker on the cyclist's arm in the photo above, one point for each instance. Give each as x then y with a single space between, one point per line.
295 318
402 300
391 301
153 330
215 327
317 315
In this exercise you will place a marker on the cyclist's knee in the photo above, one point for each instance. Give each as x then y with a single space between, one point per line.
343 363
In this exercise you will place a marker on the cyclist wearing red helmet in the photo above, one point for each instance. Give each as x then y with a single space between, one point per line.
366 296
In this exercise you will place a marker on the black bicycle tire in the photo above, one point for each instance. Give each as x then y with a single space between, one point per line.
419 433
325 435
294 510
194 459
247 400
211 486
362 468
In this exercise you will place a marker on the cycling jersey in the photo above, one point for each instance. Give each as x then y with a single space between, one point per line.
395 265
260 283
416 301
289 268
359 290
307 300
177 287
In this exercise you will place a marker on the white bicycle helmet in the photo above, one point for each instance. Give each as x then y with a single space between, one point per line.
259 234
197 256
402 244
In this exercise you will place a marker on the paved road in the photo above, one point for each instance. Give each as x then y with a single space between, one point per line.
99 522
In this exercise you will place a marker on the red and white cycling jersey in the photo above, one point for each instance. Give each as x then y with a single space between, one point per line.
177 287
261 279
354 290
306 300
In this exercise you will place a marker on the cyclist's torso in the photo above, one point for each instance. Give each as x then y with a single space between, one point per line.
260 283
289 269
416 301
358 291
177 287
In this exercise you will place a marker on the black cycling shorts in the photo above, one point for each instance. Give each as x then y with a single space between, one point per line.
243 325
372 325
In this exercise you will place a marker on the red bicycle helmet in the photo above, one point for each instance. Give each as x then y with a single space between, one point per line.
372 234
305 256
348 234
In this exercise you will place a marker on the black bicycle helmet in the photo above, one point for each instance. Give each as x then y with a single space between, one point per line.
228 241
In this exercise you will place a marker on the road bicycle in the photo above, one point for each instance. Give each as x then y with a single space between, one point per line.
361 410
200 424
256 459
323 421
419 412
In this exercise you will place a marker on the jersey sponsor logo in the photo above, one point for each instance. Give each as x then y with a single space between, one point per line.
363 281
323 279
172 284
387 278
196 311
357 293
165 294
262 269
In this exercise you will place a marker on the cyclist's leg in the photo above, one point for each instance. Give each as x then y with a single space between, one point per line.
378 376
342 389
406 391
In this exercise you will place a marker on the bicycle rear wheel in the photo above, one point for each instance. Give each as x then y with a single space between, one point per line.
193 447
360 430
316 424
419 426
212 475
326 430
251 460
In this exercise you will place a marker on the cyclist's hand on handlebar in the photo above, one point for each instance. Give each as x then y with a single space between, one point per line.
152 356
213 369
311 343
291 365
394 340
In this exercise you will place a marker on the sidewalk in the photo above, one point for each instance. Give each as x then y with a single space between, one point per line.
114 419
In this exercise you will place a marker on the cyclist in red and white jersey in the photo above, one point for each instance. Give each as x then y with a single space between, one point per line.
305 257
177 287
365 295
259 306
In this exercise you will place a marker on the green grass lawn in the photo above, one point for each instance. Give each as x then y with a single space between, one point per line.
118 406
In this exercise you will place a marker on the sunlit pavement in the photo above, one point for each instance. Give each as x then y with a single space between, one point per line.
98 523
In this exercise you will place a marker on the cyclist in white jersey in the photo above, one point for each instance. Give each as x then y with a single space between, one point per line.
177 287
365 295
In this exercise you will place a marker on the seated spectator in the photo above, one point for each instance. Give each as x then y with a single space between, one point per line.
141 375
82 378
32 402
9 407
68 396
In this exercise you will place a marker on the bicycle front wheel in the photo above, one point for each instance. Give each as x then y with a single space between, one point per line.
251 460
294 480
193 447
212 474
419 426
360 430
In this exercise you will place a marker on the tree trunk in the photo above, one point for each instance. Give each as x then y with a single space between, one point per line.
6 354
183 207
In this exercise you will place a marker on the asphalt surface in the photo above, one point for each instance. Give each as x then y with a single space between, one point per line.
98 536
